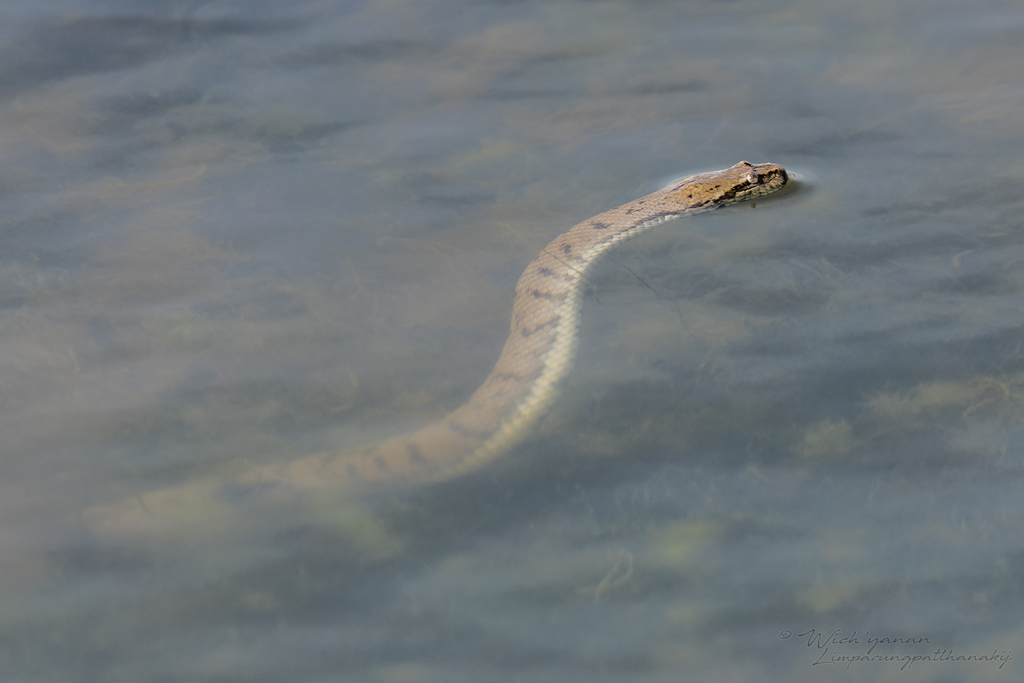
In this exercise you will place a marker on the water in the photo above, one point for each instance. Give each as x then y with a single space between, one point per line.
239 233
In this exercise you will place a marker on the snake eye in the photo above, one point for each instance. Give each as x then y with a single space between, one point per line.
753 178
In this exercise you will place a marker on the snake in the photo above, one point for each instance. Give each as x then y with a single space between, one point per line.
524 384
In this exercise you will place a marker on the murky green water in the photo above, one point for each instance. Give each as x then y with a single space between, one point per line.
233 234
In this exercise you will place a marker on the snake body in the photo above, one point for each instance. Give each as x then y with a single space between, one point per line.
539 351
523 385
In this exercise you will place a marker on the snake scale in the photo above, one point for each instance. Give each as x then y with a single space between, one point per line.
524 383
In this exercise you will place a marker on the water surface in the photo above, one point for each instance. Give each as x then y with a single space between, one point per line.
237 233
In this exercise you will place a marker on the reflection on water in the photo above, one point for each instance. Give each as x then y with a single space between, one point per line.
237 234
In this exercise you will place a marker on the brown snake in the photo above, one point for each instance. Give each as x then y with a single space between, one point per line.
524 383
